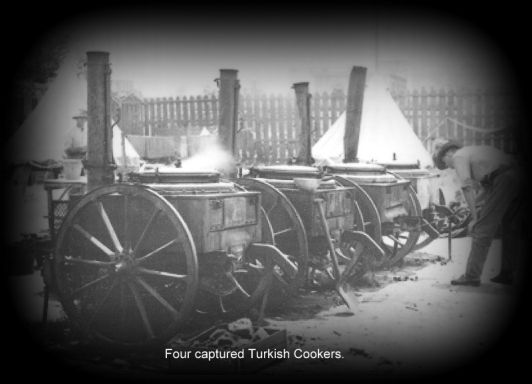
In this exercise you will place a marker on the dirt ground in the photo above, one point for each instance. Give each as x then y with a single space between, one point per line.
414 321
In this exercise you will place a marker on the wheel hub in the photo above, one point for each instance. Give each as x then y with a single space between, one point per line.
216 273
125 263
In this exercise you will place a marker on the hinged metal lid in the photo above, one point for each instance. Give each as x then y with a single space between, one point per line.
179 175
400 165
285 172
354 168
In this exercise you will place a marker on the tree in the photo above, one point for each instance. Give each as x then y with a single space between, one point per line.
42 62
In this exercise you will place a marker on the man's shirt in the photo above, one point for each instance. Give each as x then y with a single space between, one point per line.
474 162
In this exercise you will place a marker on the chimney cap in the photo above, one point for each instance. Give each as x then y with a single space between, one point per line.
229 70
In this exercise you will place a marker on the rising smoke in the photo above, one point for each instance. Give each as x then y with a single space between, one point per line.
210 155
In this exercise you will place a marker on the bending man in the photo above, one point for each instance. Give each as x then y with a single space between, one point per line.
488 173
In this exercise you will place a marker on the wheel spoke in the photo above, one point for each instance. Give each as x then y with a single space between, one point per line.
152 218
161 273
142 310
123 312
157 297
238 286
94 241
155 251
359 215
395 240
102 302
221 304
96 263
289 266
283 231
109 226
90 284
127 241
330 273
341 254
269 210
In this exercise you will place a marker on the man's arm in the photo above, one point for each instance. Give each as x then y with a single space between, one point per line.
469 195
462 167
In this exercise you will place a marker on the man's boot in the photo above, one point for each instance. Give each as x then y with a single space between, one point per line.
505 278
465 280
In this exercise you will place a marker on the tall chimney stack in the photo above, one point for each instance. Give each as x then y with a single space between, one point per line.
99 163
304 155
353 118
228 99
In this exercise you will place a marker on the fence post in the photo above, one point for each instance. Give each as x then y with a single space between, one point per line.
415 113
443 110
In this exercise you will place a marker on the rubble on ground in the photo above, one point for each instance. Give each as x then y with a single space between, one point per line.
238 333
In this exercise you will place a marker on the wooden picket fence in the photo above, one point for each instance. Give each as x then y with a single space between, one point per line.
268 127
470 117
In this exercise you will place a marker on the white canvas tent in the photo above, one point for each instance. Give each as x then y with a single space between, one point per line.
42 135
384 132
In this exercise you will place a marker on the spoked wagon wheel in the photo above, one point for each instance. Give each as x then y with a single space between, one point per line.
427 231
460 220
288 232
240 286
454 220
444 219
125 265
402 242
370 213
435 220
358 254
398 244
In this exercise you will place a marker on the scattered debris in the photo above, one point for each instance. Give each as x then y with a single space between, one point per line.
236 334
405 278
296 341
242 327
